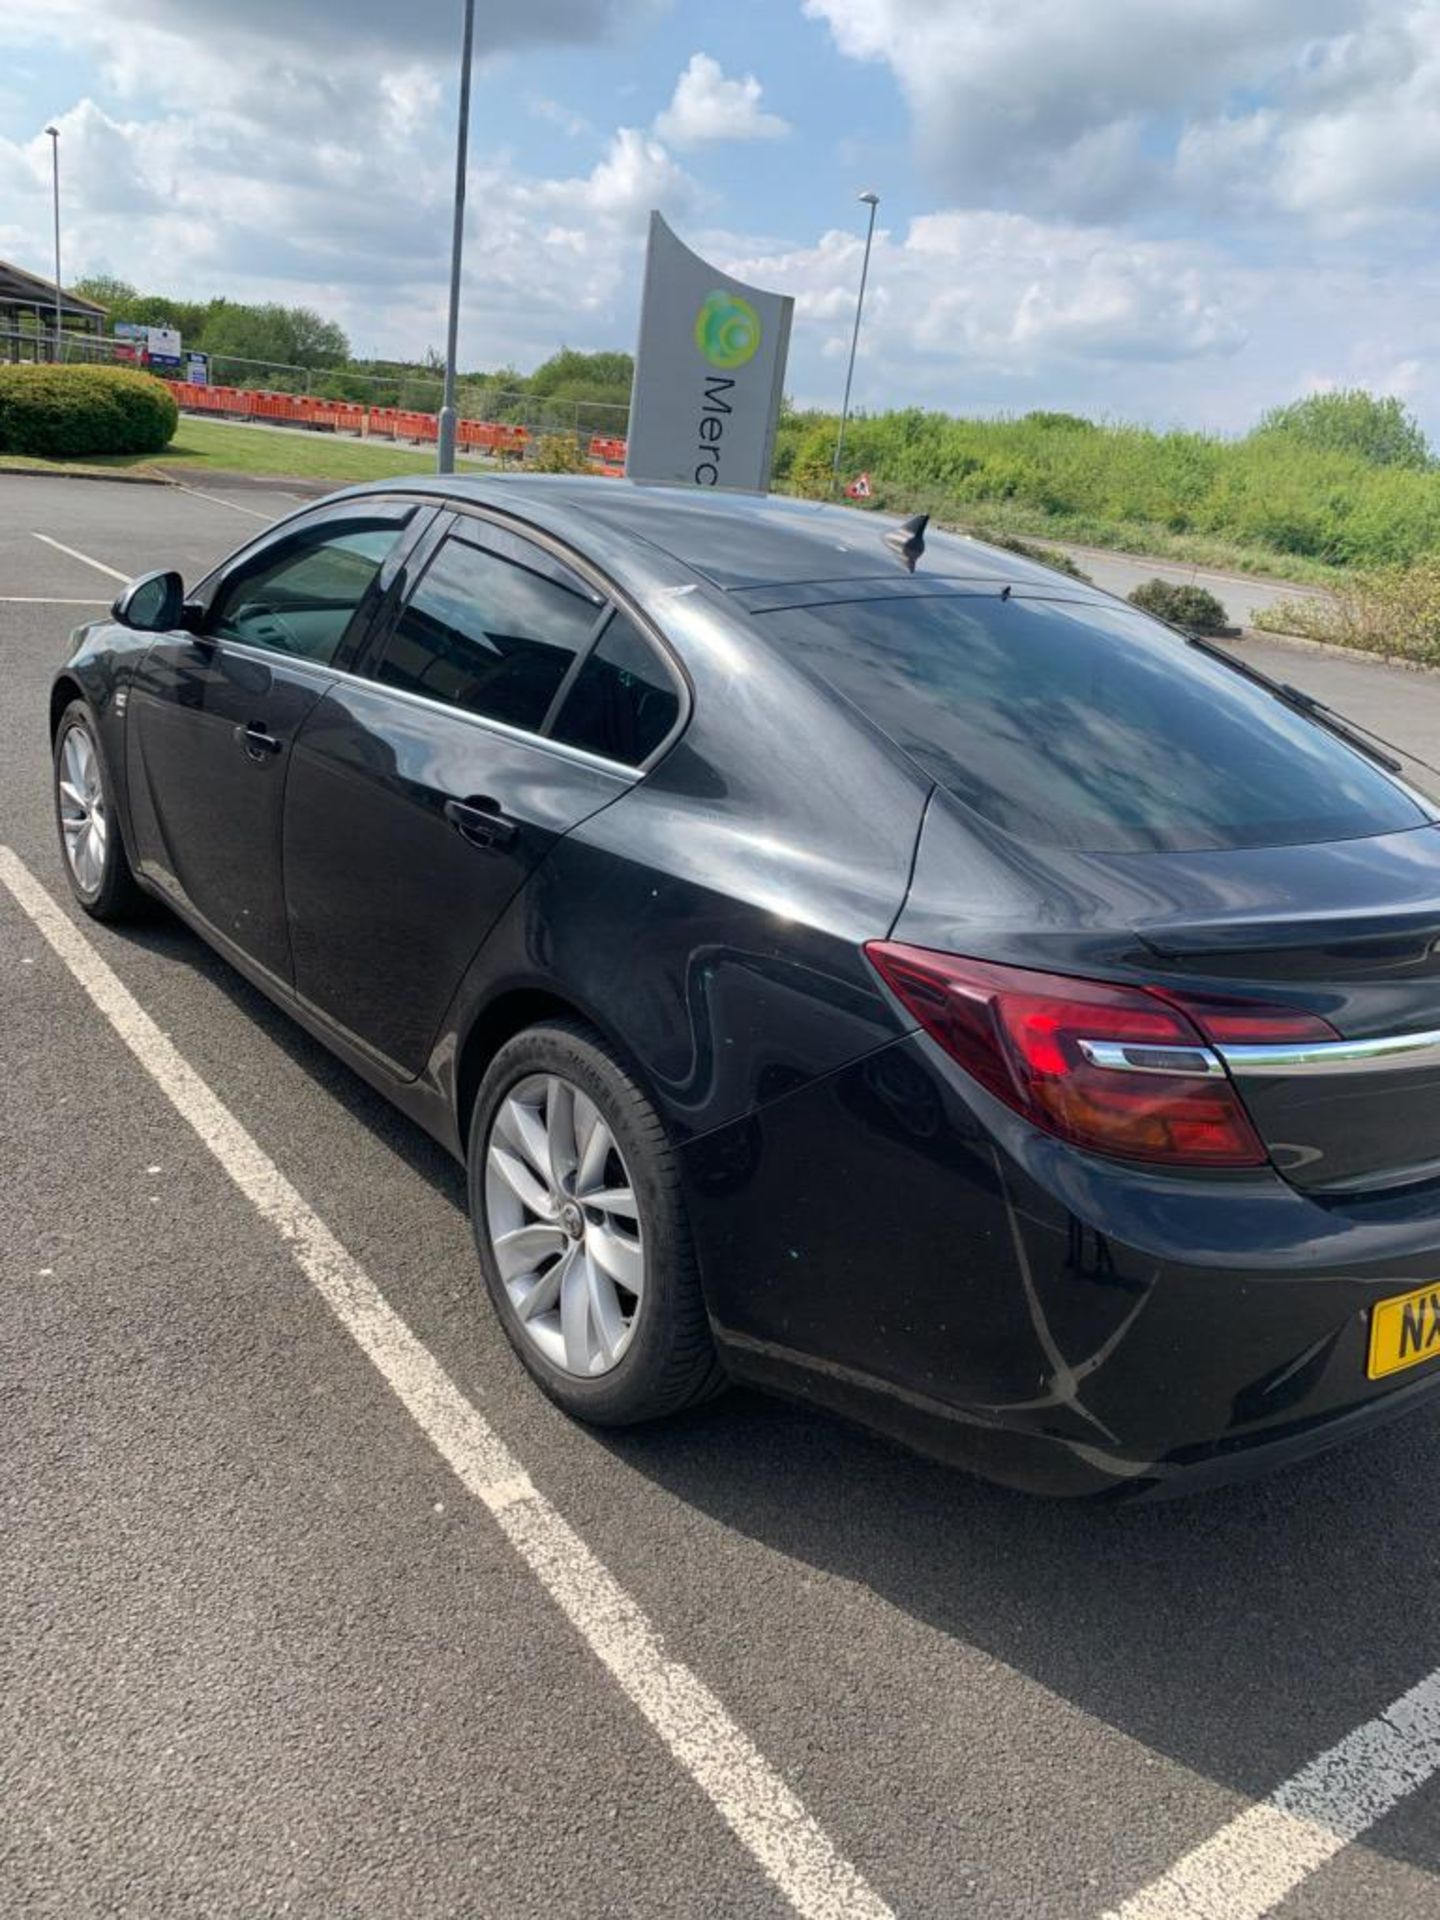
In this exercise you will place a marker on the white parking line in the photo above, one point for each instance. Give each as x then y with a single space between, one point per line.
84 558
1245 1870
760 1808
234 505
48 600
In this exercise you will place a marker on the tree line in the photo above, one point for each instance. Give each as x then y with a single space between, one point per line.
297 349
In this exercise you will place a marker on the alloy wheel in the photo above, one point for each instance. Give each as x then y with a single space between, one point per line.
84 824
564 1225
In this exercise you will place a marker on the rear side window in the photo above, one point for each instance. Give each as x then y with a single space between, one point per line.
491 632
624 699
1086 726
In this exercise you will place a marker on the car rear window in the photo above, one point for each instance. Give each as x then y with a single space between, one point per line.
1080 725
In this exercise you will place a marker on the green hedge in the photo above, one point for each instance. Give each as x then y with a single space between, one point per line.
1124 484
1183 606
61 412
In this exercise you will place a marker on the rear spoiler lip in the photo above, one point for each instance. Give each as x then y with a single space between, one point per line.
1185 940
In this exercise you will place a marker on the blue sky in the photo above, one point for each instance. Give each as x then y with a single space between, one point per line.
1172 210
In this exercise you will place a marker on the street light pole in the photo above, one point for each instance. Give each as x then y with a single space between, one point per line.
871 200
54 133
445 446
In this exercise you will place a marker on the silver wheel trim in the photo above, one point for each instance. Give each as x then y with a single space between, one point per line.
564 1225
84 823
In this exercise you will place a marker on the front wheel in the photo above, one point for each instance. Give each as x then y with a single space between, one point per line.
96 863
581 1229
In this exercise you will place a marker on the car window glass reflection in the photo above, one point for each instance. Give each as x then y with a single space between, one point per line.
489 634
623 701
1089 726
302 602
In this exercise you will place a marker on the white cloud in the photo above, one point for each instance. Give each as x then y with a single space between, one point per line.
556 114
1297 137
1009 294
1355 142
344 31
265 174
1324 107
706 106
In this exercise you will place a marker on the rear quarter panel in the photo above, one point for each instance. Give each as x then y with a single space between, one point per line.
711 920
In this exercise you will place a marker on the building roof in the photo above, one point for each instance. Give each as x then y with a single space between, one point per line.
21 289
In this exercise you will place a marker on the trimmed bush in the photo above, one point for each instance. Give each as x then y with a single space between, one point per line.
557 453
1189 607
65 412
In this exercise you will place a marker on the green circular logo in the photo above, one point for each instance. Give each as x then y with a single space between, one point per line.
727 330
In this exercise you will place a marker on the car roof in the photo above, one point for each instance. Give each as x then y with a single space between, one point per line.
734 540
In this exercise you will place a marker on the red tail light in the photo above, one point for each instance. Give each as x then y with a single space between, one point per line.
1118 1070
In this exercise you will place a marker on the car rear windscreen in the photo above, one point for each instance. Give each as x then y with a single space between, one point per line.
1076 724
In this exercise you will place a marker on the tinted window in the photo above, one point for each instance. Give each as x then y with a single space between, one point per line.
301 599
624 700
491 634
1086 726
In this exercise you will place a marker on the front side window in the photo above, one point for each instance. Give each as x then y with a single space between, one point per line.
493 632
623 701
1083 725
301 599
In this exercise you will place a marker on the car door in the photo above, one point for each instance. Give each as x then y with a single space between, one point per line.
422 795
215 712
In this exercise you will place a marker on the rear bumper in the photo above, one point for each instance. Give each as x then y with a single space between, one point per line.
894 1245
1250 1457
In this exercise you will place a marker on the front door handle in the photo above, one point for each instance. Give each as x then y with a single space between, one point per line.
257 742
480 821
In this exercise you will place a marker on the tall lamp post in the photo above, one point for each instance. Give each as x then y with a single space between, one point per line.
445 445
871 200
54 133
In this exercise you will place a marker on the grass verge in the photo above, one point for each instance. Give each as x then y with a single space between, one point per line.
1143 540
202 446
1271 503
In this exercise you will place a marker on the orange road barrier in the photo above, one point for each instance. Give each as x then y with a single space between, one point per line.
504 440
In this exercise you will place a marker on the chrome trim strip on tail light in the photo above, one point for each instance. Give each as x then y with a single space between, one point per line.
1128 1056
1335 1056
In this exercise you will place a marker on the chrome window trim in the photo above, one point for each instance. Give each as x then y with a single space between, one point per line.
1131 1056
620 769
620 601
286 524
459 508
1334 1056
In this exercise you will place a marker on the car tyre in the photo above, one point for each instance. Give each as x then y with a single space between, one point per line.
96 863
607 1354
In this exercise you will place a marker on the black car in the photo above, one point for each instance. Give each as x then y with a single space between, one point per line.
865 964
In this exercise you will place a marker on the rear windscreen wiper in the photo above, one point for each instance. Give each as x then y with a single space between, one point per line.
1373 745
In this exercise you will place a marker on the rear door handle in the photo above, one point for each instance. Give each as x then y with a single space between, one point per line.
480 821
257 742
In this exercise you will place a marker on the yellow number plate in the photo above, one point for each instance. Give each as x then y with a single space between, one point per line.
1404 1331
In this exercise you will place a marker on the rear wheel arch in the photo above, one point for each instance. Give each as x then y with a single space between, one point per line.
500 1020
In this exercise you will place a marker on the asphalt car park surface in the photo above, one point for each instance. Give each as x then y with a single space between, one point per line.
261 1651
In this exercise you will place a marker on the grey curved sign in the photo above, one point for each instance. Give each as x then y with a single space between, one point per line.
709 371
